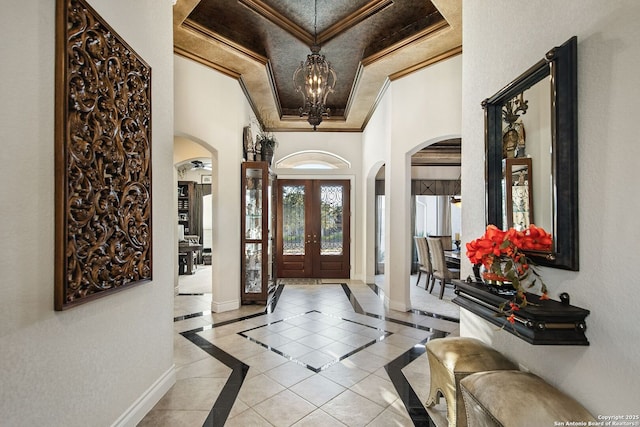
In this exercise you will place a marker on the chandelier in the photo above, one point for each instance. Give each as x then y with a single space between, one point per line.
314 79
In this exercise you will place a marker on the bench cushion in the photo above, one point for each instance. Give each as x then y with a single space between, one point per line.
517 399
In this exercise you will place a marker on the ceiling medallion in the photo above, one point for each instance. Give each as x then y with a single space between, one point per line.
314 79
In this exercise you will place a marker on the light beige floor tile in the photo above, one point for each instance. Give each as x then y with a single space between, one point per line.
385 350
208 367
275 340
417 334
390 418
398 407
258 389
289 374
238 407
317 389
316 359
402 341
352 409
314 315
318 418
294 349
337 349
190 324
284 409
295 333
185 352
265 361
248 418
173 418
382 373
345 374
192 394
315 341
377 390
366 361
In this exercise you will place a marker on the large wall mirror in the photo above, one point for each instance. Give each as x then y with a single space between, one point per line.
531 131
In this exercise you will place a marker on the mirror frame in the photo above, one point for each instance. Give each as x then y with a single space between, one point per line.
560 63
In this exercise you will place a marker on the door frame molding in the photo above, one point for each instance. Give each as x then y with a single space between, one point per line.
352 203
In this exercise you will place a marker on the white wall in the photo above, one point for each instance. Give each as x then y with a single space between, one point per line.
211 109
423 108
501 40
87 365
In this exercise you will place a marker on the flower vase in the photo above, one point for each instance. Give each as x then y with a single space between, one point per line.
497 285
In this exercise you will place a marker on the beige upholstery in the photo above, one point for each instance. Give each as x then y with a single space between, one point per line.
440 269
451 360
424 260
517 399
447 242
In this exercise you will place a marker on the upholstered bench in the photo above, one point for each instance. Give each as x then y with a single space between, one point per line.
451 360
517 399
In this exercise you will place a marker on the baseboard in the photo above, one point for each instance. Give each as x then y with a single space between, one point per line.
136 412
219 307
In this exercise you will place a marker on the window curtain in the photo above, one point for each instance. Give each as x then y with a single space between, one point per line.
444 216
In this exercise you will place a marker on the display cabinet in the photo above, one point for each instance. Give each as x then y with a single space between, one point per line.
258 222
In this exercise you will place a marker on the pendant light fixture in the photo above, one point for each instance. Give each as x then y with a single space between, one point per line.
314 79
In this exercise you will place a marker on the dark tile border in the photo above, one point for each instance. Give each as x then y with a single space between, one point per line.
222 407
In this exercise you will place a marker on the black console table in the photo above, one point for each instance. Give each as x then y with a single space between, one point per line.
545 322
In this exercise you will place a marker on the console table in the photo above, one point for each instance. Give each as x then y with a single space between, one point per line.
540 322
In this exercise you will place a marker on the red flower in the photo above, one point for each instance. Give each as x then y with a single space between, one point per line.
536 239
512 319
504 256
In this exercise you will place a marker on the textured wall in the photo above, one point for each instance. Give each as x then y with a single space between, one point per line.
501 40
87 365
211 109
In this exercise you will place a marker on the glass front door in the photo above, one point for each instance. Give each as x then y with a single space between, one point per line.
313 228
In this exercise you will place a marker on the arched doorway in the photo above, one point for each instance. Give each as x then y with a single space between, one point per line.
195 174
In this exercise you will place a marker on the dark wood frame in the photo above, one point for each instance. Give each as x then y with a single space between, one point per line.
102 157
268 272
508 176
561 64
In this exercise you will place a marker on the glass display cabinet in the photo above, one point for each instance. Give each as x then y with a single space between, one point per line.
258 222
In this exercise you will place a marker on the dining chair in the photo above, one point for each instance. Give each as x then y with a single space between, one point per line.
424 260
440 270
447 242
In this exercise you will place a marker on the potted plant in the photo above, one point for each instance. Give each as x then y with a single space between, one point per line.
265 141
503 263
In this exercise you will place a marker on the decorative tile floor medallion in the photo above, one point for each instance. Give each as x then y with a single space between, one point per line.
315 340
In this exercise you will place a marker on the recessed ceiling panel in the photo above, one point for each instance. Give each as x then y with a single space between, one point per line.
352 34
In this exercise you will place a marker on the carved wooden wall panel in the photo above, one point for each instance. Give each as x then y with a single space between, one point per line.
103 159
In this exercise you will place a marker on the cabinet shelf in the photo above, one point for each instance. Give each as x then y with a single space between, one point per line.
545 322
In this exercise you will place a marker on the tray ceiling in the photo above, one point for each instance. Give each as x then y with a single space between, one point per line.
369 43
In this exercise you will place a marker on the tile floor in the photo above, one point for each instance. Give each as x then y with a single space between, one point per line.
318 355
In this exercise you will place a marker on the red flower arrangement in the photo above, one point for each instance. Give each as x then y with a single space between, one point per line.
501 254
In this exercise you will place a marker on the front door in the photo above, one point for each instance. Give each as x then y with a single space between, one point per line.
312 238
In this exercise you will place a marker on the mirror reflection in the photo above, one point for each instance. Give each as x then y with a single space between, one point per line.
532 154
527 135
